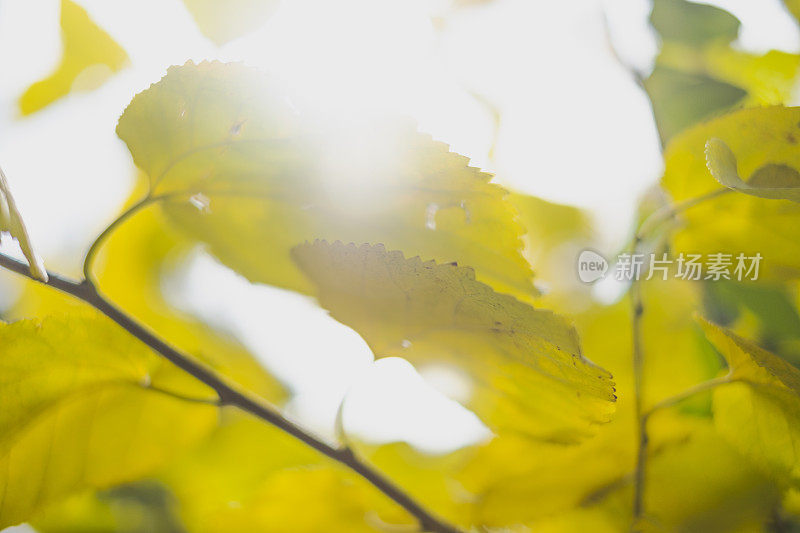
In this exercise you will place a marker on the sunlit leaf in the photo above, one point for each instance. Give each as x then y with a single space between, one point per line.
760 413
778 182
225 20
85 405
765 141
89 57
243 174
525 364
11 222
500 473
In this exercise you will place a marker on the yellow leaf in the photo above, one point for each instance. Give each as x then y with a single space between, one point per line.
90 56
252 477
11 222
85 405
525 364
225 20
501 474
760 412
243 174
762 139
778 182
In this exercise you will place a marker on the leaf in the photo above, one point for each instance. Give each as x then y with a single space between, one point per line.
691 23
83 407
525 365
90 56
699 73
252 477
764 312
760 412
225 20
11 222
765 140
681 99
520 481
778 182
139 507
224 136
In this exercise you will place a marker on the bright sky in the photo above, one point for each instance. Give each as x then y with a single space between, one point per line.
575 129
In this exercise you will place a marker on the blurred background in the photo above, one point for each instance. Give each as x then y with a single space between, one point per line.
544 95
549 96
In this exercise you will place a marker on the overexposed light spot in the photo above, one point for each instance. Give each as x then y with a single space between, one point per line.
448 380
631 34
288 332
610 290
575 127
394 403
766 25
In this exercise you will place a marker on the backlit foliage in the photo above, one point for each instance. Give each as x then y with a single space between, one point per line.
427 258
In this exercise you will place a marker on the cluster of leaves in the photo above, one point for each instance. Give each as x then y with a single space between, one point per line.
427 259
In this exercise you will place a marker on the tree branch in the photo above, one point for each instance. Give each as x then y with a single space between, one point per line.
643 232
637 310
230 394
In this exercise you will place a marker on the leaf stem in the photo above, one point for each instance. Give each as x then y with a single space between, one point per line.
690 392
98 243
183 397
668 212
229 394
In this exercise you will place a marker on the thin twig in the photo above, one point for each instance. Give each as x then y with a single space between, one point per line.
637 310
230 394
645 230
669 212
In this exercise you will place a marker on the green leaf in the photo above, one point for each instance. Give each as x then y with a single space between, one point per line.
225 20
524 364
90 56
760 412
699 74
12 223
84 406
765 141
681 99
691 23
225 137
778 182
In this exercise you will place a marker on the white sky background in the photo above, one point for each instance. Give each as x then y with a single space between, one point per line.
575 129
